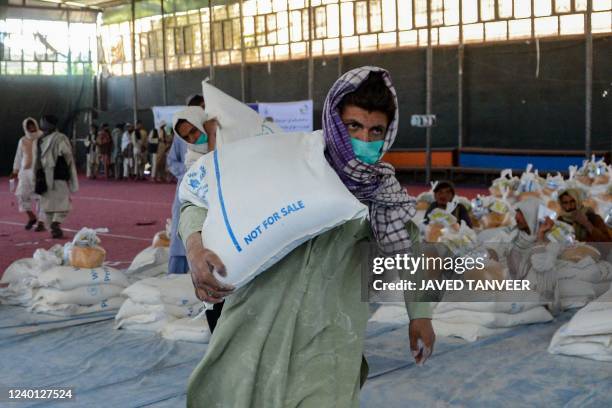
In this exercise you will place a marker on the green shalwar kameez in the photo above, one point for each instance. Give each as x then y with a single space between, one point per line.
294 336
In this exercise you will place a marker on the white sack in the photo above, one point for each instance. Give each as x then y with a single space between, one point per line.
495 320
292 195
170 290
467 331
187 329
19 270
113 303
84 295
236 120
68 277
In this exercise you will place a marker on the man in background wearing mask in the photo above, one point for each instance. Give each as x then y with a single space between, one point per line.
175 163
56 175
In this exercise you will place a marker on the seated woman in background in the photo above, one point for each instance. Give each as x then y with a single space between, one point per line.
588 226
444 192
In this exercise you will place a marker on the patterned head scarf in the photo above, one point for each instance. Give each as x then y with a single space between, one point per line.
568 217
373 184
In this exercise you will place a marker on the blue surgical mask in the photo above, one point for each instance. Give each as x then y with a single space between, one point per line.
367 152
202 139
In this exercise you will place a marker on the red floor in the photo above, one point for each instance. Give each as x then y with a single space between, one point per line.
116 205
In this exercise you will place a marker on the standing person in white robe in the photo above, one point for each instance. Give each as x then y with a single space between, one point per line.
56 171
23 169
127 151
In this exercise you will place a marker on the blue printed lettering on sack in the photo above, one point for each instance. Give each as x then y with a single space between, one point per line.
272 219
94 275
107 277
197 185
104 304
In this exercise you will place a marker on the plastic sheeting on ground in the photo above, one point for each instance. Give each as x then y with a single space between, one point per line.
129 369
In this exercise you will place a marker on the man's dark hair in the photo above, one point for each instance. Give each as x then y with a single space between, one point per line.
372 95
444 184
120 125
195 100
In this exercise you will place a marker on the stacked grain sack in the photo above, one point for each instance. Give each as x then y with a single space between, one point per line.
582 275
474 320
153 260
65 281
153 304
68 291
589 333
16 283
470 321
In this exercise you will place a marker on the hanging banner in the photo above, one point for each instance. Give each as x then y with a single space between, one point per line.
289 116
165 113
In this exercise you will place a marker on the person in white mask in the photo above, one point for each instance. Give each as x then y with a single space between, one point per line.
192 125
23 169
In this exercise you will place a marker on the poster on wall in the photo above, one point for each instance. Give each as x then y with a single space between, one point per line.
289 116
164 113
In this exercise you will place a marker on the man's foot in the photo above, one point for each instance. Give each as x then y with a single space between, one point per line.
30 224
40 227
56 231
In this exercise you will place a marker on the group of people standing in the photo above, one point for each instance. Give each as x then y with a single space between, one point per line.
128 151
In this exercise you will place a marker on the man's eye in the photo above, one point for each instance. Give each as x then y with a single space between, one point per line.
353 126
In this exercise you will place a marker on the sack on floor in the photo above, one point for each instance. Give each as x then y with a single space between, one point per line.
131 308
495 320
20 270
187 329
467 331
105 305
150 262
291 196
69 277
168 290
84 295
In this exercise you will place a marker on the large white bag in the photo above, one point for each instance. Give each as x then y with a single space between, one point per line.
265 196
84 295
495 320
131 308
589 333
69 277
236 120
467 331
105 305
167 290
187 329
20 270
150 262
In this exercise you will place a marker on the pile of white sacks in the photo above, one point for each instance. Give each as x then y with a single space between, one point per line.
470 321
166 305
44 285
589 333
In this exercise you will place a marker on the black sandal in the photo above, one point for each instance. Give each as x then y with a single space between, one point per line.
30 224
56 231
40 227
